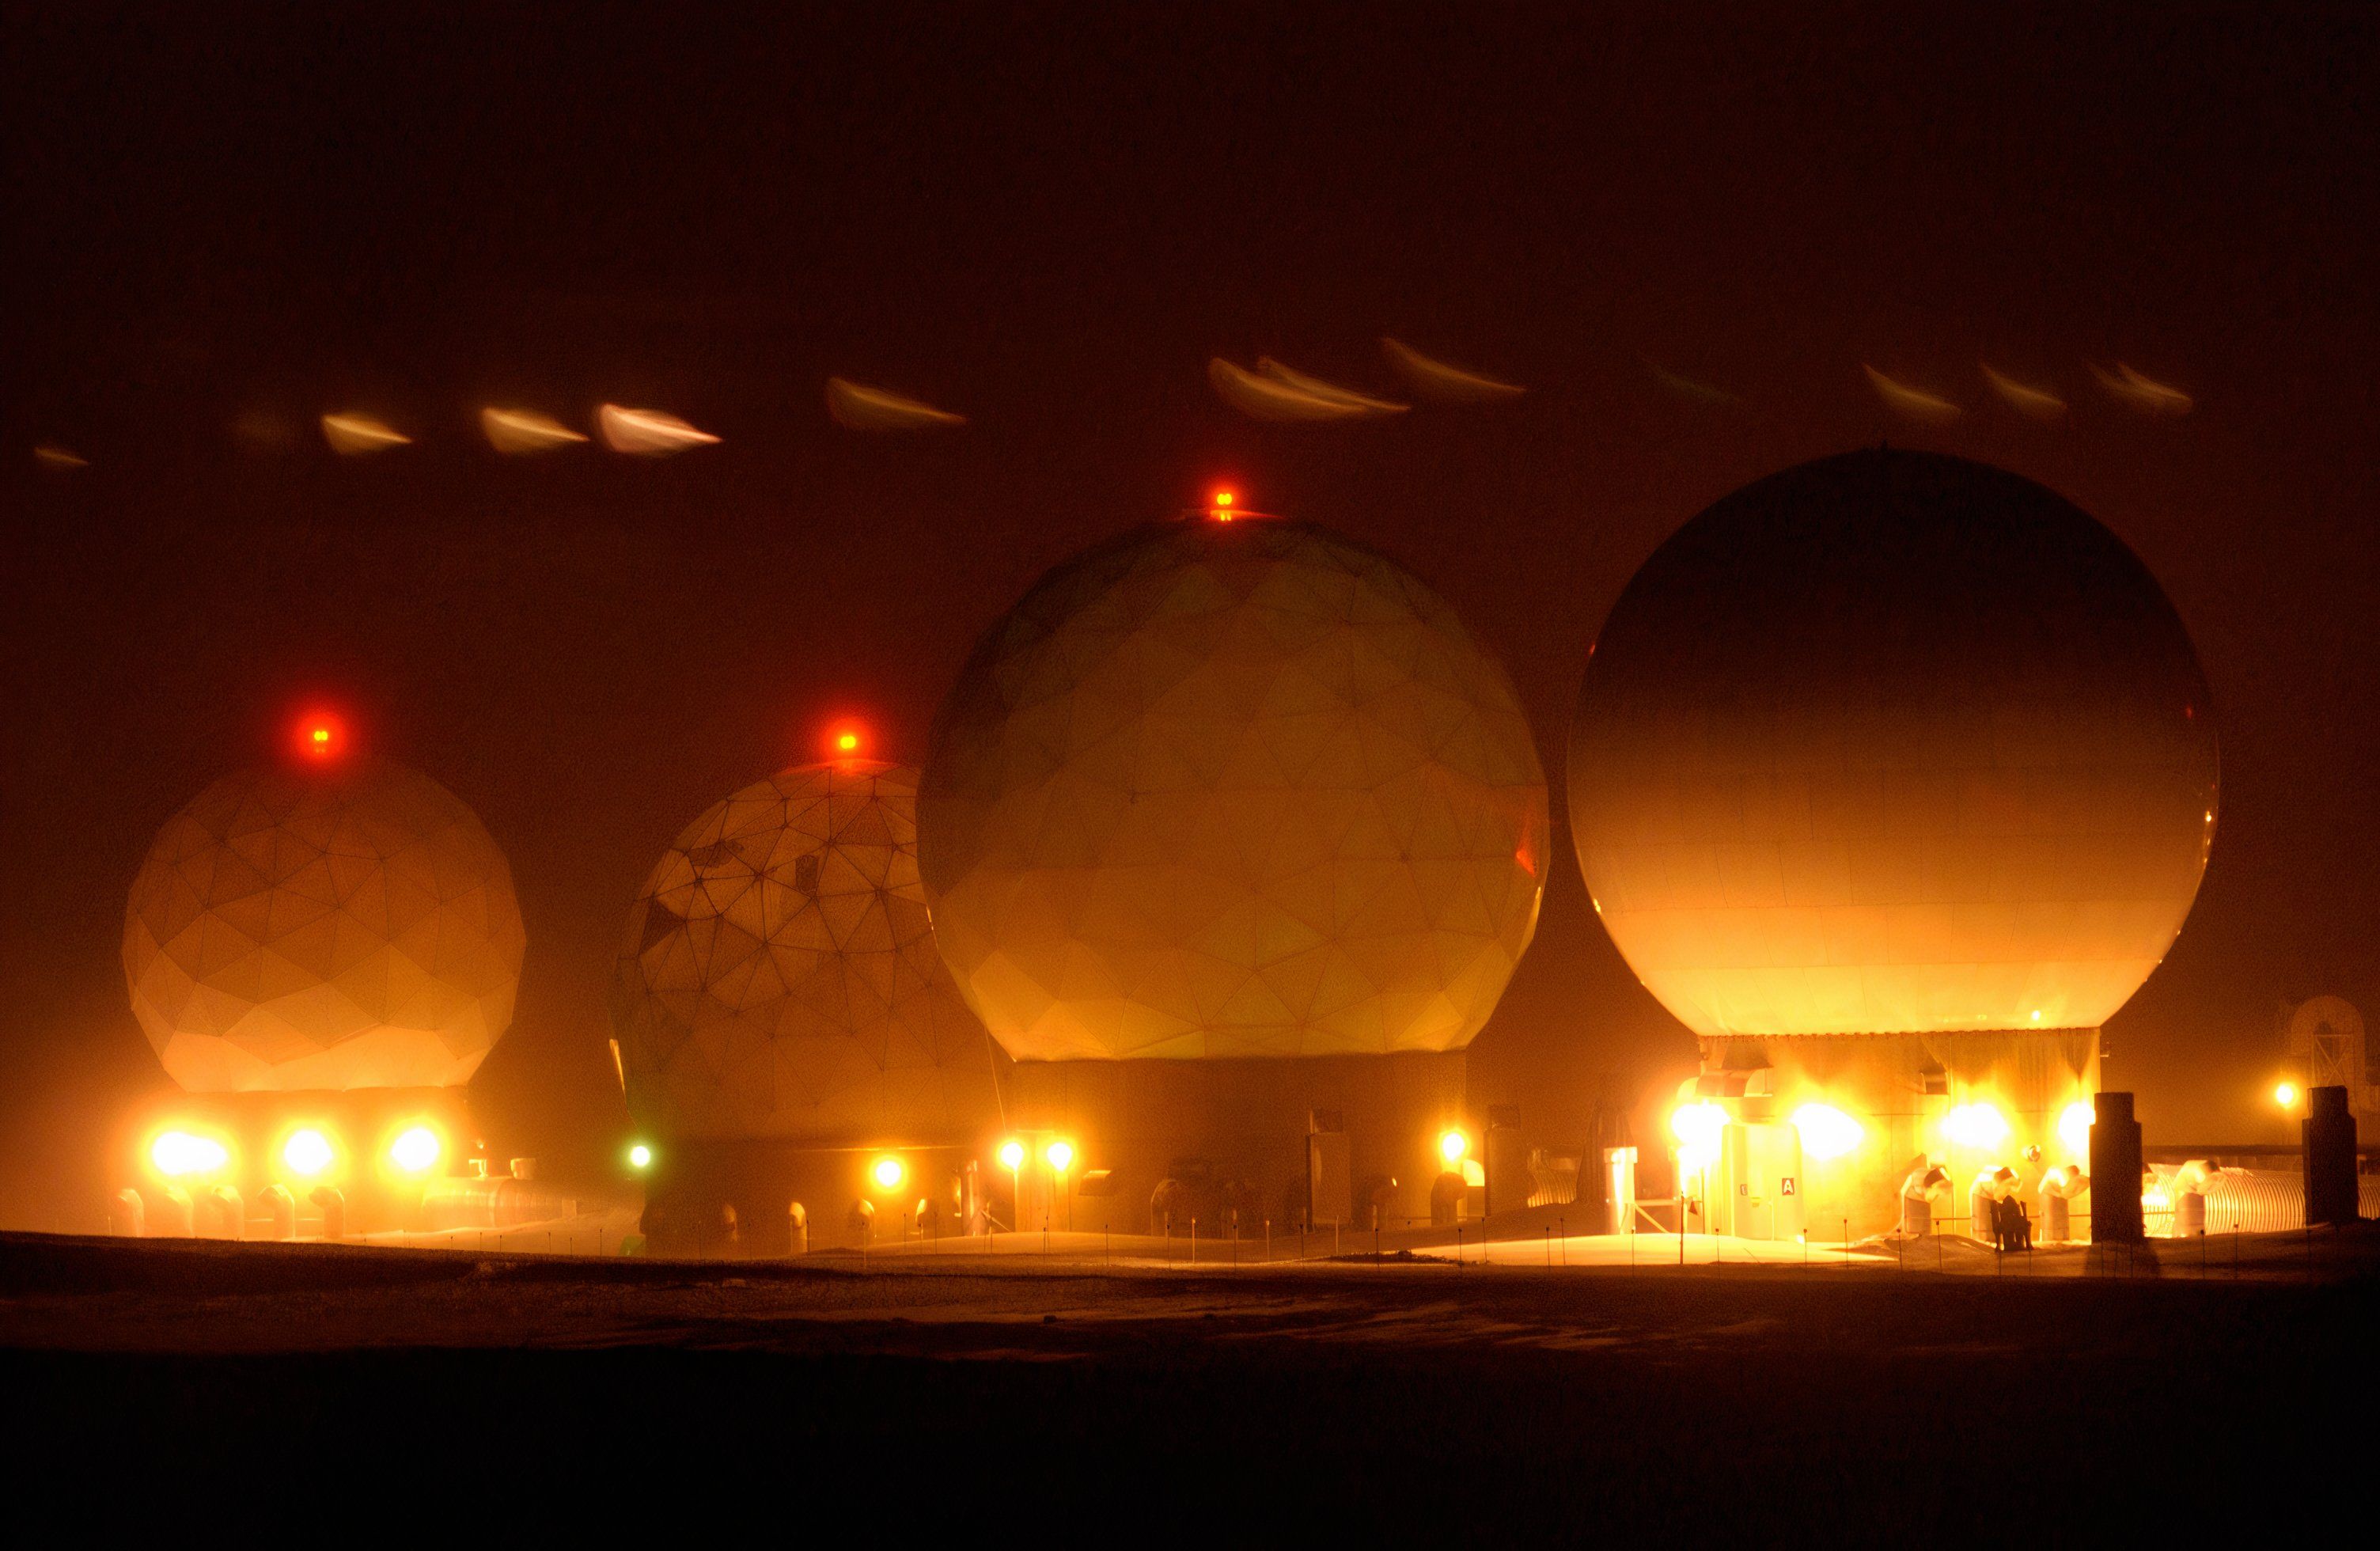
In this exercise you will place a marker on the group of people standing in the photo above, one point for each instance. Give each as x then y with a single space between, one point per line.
2011 1224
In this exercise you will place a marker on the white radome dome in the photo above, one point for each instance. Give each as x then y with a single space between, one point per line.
301 930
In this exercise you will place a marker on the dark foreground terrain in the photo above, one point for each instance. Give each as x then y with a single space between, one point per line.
1030 1399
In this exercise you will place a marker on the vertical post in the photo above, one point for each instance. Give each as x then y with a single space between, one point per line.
2328 1139
2114 1170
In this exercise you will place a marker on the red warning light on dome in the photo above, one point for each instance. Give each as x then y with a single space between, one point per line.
847 740
1220 506
321 737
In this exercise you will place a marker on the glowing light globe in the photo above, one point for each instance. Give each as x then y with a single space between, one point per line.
1232 789
323 929
779 980
1892 743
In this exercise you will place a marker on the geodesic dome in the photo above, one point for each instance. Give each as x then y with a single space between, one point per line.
299 931
1223 789
779 978
1892 743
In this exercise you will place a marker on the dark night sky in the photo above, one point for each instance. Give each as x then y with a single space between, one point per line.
1049 221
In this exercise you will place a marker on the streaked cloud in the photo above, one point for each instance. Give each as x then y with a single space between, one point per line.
2145 394
352 435
1913 402
1267 398
1435 379
1290 377
1687 387
649 433
2038 404
859 408
526 430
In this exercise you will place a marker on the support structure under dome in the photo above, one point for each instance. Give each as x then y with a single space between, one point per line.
1893 776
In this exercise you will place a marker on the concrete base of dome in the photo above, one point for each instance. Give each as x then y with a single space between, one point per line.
772 1199
1969 1103
1236 1139
357 1129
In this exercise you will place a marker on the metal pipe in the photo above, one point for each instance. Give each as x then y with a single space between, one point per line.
2058 1189
276 1200
228 1212
1927 1185
335 1210
466 1201
174 1213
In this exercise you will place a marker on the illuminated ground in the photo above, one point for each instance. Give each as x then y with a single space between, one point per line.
1848 1401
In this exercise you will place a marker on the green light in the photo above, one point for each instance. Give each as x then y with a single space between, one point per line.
639 1155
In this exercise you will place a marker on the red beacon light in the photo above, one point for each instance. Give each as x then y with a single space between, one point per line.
1220 508
321 737
847 741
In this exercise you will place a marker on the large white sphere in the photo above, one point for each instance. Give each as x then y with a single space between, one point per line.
779 980
1892 743
322 930
1232 789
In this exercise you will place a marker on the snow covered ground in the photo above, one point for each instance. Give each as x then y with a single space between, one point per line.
1739 1394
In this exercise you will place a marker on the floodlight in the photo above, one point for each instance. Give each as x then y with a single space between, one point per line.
307 1152
415 1149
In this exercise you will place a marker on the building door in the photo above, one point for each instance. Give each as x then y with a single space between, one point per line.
1760 1180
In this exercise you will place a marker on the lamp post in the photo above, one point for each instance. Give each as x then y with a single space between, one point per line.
1060 1155
1453 1144
1012 1153
1678 1171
